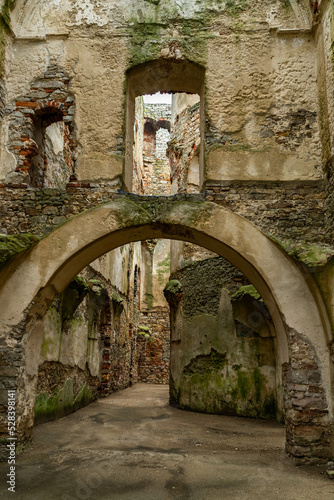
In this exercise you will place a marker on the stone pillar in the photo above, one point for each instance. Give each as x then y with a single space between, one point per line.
308 437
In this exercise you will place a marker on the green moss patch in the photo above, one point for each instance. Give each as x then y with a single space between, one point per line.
248 290
311 254
236 7
173 292
14 244
205 363
51 407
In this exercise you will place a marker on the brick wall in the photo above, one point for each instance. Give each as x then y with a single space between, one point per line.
153 347
47 101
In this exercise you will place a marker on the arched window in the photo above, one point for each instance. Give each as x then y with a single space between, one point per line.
41 132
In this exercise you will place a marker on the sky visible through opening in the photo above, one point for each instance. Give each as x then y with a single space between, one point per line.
158 98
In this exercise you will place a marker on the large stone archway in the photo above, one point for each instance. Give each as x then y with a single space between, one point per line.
30 283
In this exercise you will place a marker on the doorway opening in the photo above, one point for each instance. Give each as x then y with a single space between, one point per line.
140 314
176 90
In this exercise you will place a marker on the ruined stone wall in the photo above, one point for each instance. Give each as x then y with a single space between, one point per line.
153 346
249 120
48 101
39 211
151 170
284 209
325 57
262 126
266 86
138 146
183 149
87 350
308 436
222 357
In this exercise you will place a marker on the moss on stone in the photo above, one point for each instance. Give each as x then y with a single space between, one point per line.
258 380
243 291
235 7
149 300
153 31
285 4
144 41
205 363
173 292
61 402
270 409
46 407
8 6
97 287
14 244
311 254
243 384
83 398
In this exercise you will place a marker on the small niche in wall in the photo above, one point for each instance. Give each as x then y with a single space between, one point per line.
51 165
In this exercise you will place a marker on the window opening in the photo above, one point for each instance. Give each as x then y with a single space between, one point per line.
166 144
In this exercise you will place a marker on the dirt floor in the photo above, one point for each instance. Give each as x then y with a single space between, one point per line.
132 445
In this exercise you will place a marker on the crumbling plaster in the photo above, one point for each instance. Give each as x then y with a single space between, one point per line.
259 66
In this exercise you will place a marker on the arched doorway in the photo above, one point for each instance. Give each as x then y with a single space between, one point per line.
31 282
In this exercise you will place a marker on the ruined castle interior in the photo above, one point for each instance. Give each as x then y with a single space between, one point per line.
167 209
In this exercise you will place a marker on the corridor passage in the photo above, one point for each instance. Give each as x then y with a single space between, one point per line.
132 445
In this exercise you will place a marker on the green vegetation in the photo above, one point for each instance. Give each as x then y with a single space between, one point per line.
257 378
173 292
153 31
144 40
235 7
145 332
14 244
286 4
149 300
243 385
98 284
311 254
249 290
61 402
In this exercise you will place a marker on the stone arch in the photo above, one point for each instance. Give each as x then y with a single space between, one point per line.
303 338
161 75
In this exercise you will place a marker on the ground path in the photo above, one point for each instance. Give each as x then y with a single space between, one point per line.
133 446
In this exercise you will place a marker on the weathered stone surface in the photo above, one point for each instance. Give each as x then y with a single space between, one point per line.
262 148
